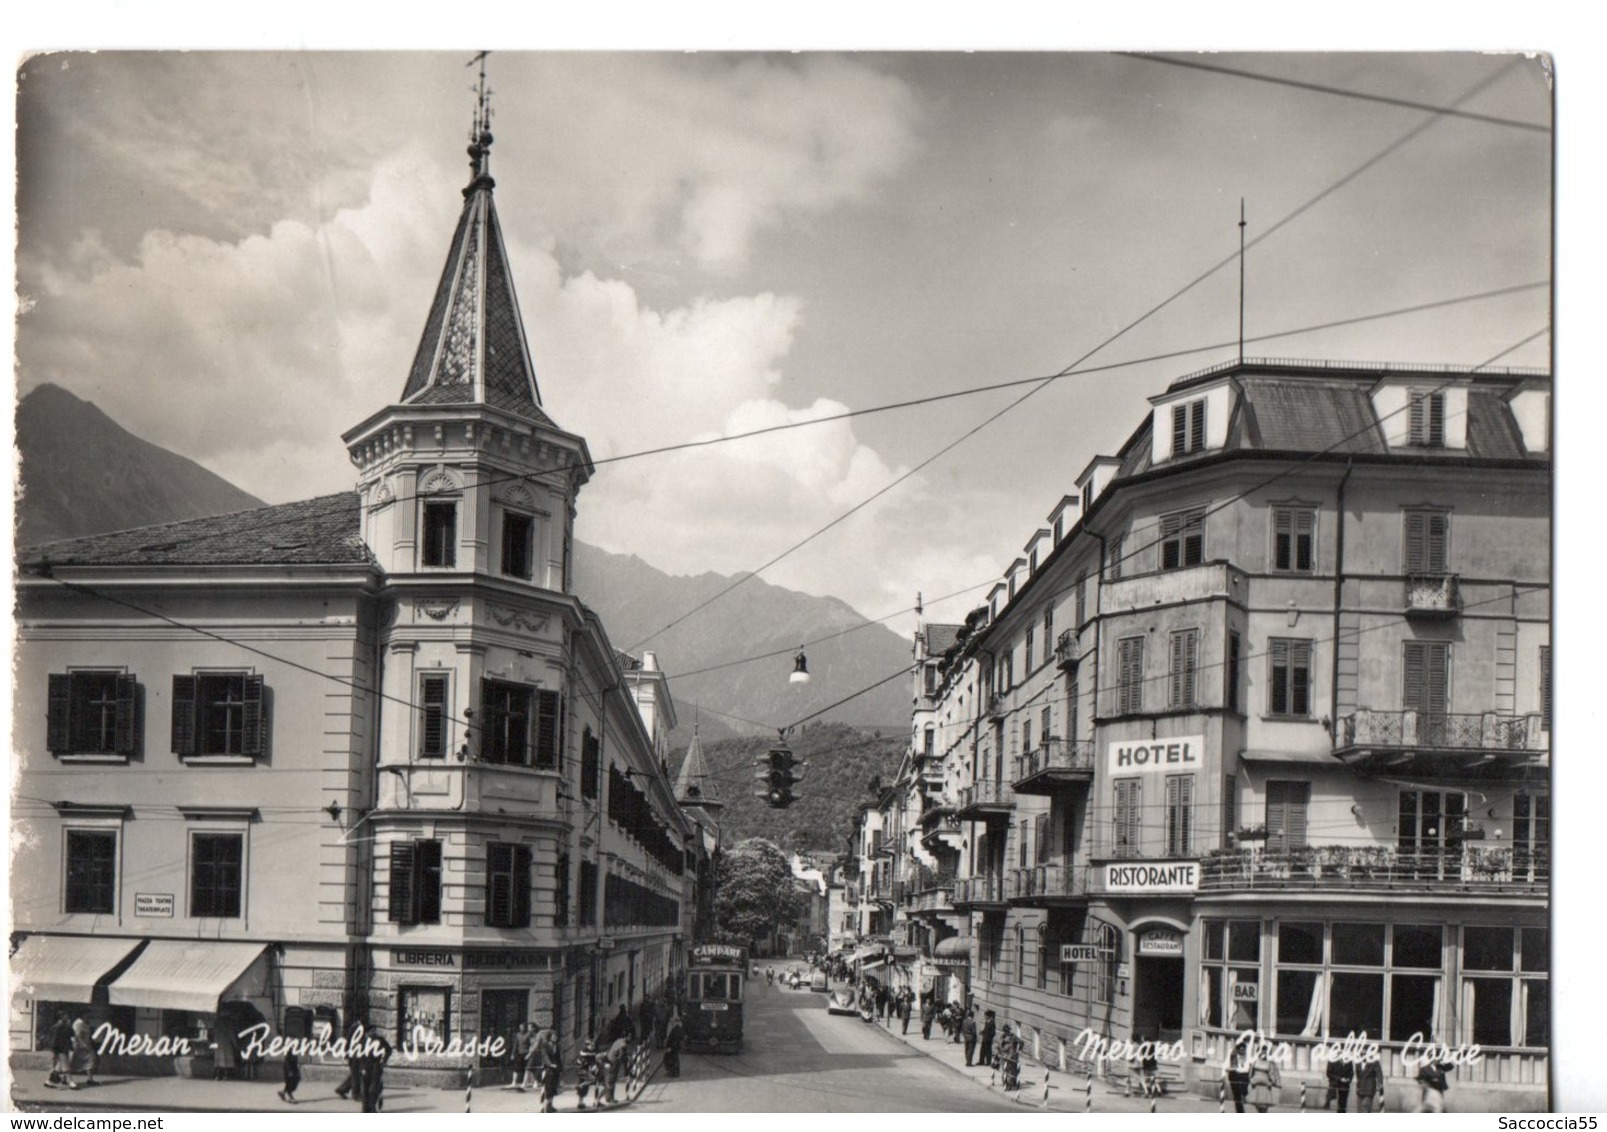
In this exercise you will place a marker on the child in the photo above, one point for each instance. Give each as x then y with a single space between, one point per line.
292 1078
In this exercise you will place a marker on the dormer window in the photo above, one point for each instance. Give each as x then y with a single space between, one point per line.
1427 416
1188 427
440 544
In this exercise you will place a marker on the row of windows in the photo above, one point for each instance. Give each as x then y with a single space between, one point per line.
216 873
438 544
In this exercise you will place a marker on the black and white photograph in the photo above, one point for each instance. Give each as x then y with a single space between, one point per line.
756 579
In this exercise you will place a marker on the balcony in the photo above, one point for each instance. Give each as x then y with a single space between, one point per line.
1433 596
998 708
1066 649
939 899
1051 883
931 772
1166 587
1486 745
986 801
474 786
1056 765
1472 867
979 892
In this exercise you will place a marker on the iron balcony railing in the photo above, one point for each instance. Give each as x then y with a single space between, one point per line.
1066 648
997 706
1472 866
987 889
1054 755
1463 732
986 794
1047 880
1433 595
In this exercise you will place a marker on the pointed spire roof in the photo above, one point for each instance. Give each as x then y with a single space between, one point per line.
474 349
694 786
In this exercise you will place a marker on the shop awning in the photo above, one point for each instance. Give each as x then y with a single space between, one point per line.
65 968
906 954
192 975
953 952
873 965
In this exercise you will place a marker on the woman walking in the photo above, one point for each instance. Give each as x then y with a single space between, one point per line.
1265 1081
674 1038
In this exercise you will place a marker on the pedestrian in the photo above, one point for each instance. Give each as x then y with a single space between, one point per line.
988 1031
904 1013
586 1072
85 1055
1341 1072
928 1012
61 1054
371 1070
674 1038
968 1034
548 1064
1265 1081
353 1082
1369 1083
523 1064
1236 1074
1010 1058
225 1054
620 1026
1431 1077
292 1070
613 1065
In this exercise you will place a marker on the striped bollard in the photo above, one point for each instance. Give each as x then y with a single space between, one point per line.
1152 1104
1302 1096
1221 1098
993 1075
1127 1083
1088 1099
468 1091
1045 1103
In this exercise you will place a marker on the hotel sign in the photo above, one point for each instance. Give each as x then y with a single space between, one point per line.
1152 878
1139 756
1079 953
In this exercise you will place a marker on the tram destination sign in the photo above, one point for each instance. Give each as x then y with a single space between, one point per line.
1141 756
1151 878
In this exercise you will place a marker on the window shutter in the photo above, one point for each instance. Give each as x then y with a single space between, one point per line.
58 736
1114 566
1296 798
1185 647
1082 600
1040 836
1232 670
1178 649
127 715
1283 539
184 715
1545 687
1438 528
1300 677
1436 420
1179 814
1197 426
1179 429
404 902
1417 417
432 724
547 729
255 723
1127 800
521 886
1427 672
499 885
427 871
1071 711
1278 686
1305 528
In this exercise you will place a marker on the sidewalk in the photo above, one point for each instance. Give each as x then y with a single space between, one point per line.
175 1094
1068 1092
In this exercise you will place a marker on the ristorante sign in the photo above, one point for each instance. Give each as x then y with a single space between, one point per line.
1151 878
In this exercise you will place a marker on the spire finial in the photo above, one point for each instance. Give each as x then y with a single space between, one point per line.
1241 281
480 131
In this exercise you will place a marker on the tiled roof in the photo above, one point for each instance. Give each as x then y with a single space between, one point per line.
473 350
322 531
1302 415
1492 432
940 637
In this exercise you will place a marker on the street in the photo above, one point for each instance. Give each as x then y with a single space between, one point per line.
798 1058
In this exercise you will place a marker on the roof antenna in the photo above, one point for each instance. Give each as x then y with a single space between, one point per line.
1241 281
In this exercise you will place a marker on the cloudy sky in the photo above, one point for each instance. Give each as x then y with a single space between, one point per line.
232 254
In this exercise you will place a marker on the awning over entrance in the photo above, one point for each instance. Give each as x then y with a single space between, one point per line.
953 952
65 968
193 975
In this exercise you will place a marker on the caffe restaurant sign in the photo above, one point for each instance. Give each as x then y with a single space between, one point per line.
1160 941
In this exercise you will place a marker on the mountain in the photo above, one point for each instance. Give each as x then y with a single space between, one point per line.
842 761
83 474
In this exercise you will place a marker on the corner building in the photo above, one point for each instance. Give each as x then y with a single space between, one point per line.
362 756
1263 740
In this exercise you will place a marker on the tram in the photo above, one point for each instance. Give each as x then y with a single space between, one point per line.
715 976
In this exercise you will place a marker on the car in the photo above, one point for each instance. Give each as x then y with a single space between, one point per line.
841 1002
818 982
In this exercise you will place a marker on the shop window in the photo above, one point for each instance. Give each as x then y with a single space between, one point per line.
424 1015
1355 1003
1230 975
217 863
91 871
1358 945
219 713
1346 993
1417 945
92 713
1299 943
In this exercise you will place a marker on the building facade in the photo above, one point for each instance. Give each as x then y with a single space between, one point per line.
1256 733
362 757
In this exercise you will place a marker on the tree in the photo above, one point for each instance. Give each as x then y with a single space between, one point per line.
754 892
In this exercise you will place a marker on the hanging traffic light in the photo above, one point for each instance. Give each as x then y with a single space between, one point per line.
778 773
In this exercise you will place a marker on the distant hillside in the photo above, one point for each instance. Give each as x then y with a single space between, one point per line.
634 600
842 761
83 474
